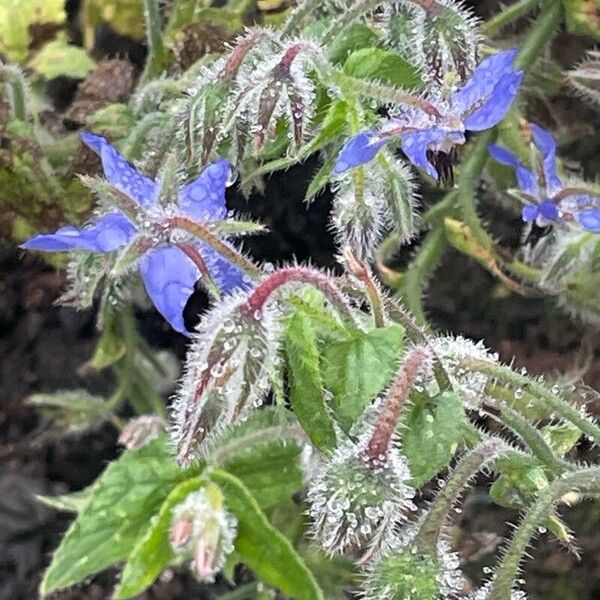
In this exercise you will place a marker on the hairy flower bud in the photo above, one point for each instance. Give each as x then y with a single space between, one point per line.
451 351
484 593
140 431
279 88
203 530
570 265
404 573
227 372
354 504
585 77
440 36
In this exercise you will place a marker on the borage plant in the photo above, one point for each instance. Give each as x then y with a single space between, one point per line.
312 400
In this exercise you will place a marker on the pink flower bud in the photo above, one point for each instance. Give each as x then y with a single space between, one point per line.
140 431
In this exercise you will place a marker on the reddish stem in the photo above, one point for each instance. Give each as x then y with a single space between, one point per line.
262 292
395 400
194 255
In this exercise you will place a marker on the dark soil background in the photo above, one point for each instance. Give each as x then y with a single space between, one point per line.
42 348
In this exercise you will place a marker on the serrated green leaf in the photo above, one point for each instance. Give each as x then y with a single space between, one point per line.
58 57
262 547
355 371
153 551
306 385
521 478
583 16
382 65
561 437
431 434
125 497
334 123
356 37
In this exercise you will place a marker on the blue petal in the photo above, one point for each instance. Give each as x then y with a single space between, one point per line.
529 213
525 178
496 104
169 277
547 146
548 210
120 173
358 150
204 198
225 274
104 235
590 220
415 146
484 79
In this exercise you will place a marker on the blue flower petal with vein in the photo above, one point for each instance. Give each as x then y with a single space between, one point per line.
479 104
169 275
548 199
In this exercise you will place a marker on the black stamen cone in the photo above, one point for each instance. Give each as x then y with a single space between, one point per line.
196 306
444 164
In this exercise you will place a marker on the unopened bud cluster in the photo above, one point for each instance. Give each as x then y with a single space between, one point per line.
203 530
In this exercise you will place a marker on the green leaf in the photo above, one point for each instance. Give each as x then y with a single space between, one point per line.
153 551
321 178
73 410
306 386
68 502
58 57
382 65
124 499
583 16
521 478
432 432
355 371
16 21
334 123
262 547
263 452
356 37
562 437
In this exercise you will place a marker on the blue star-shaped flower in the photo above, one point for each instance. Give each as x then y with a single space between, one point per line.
168 274
440 124
547 199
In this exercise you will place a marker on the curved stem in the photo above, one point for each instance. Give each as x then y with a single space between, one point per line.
419 270
507 16
158 56
585 480
552 402
525 430
432 525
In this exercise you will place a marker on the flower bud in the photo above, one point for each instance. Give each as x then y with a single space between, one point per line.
440 36
354 504
141 430
203 531
585 77
227 372
570 265
451 350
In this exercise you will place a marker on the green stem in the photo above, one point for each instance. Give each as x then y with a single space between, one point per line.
525 430
584 480
544 28
432 525
134 144
419 270
550 401
16 82
339 26
507 16
158 56
297 17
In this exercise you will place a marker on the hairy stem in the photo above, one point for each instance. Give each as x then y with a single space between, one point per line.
294 275
552 402
584 480
432 525
206 235
158 55
508 15
394 401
